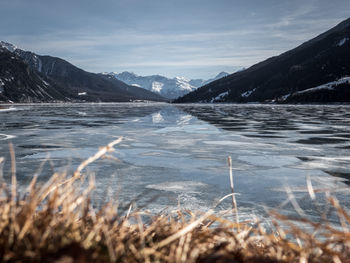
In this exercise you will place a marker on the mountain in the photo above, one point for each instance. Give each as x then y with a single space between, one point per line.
166 87
319 61
335 91
65 79
170 88
20 83
200 82
219 76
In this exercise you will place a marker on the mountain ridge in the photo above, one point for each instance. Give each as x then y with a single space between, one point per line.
170 88
73 83
323 59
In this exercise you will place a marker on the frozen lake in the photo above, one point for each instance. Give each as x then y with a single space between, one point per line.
176 155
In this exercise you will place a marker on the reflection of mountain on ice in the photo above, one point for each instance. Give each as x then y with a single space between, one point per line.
157 117
171 117
174 120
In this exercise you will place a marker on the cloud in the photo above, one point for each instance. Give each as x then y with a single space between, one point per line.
236 43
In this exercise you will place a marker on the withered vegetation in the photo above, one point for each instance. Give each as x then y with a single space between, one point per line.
57 222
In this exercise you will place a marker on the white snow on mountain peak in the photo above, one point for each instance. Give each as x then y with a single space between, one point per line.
157 86
8 46
181 79
170 88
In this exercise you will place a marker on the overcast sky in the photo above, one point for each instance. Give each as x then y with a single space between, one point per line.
191 38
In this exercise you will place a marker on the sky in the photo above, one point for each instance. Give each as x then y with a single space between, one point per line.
189 38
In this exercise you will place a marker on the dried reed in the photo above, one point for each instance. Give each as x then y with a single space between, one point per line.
56 222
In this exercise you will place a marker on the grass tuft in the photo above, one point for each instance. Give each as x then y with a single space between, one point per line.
56 222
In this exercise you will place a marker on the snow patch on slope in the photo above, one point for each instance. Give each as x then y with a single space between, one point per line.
327 86
219 97
2 84
247 93
342 42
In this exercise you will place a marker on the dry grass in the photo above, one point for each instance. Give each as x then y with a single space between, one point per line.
56 222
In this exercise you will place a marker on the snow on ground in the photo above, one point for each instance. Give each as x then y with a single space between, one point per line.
46 83
247 93
220 96
327 86
183 84
82 93
285 96
342 42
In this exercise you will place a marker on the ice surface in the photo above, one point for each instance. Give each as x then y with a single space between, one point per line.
4 137
178 187
178 153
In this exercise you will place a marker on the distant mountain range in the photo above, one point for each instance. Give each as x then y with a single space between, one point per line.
315 71
170 88
28 77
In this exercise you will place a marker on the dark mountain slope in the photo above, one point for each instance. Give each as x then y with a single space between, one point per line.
321 60
20 83
74 80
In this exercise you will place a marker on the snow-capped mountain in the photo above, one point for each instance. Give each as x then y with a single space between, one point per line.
170 88
8 46
298 75
29 77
